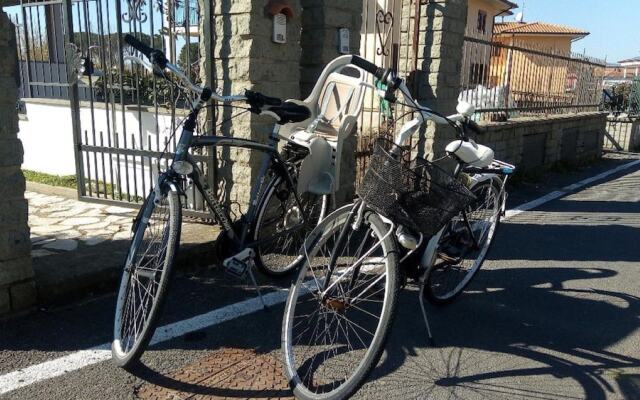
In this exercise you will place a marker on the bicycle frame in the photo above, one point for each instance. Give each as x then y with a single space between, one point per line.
427 258
271 161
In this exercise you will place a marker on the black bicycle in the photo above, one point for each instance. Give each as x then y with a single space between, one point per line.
268 236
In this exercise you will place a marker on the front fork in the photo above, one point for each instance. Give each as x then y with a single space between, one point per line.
144 214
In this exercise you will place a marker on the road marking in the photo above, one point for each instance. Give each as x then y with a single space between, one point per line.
80 359
570 188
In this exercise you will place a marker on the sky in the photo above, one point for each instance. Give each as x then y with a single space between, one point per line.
614 24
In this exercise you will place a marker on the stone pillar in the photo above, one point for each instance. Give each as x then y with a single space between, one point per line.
441 39
245 57
17 288
321 21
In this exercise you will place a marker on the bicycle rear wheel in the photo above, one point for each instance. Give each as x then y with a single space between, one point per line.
341 307
279 211
459 255
146 275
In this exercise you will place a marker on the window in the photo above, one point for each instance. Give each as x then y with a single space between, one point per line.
482 21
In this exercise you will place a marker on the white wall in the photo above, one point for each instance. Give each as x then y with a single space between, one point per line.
47 137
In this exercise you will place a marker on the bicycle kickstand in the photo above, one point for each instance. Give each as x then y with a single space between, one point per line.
255 285
424 310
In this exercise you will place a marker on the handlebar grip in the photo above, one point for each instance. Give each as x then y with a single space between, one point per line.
257 100
138 45
157 57
368 66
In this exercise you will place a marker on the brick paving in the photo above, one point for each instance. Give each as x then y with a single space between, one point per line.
227 373
59 224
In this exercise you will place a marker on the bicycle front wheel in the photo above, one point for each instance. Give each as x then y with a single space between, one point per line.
279 211
464 245
341 307
146 275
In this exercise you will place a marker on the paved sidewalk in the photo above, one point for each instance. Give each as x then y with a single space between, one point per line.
59 224
78 247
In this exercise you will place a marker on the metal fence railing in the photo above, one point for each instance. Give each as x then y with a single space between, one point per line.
622 133
504 81
123 116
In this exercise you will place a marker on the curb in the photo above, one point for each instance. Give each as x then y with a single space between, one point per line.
64 278
52 190
94 270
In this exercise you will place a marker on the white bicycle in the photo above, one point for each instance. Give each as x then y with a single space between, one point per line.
411 220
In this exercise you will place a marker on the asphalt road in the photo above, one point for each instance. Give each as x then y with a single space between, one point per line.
553 314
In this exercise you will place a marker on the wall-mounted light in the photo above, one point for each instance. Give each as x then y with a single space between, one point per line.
279 10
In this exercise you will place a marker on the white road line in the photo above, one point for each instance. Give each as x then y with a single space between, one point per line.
60 366
559 193
80 359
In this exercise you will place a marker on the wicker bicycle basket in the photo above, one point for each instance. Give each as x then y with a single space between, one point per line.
416 194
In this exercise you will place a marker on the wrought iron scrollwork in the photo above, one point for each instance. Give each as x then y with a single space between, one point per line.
384 27
135 11
168 8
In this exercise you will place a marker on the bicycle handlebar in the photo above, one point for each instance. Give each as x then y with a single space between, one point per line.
157 63
368 66
138 45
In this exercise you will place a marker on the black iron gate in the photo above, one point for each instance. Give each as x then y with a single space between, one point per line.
390 36
123 116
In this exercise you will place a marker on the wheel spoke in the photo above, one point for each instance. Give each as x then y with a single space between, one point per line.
330 333
457 245
143 278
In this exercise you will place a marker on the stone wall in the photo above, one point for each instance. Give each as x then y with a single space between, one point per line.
246 58
437 79
17 288
541 142
321 21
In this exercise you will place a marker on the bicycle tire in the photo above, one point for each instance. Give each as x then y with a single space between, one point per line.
431 293
324 232
285 260
125 355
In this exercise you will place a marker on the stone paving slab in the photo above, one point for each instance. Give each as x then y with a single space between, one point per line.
60 225
78 247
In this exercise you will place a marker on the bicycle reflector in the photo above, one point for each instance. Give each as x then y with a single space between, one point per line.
182 167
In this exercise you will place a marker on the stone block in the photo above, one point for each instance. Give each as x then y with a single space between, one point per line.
15 242
13 212
12 183
11 152
9 118
5 301
23 296
15 270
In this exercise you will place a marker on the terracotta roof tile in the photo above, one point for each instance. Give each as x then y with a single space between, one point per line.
524 28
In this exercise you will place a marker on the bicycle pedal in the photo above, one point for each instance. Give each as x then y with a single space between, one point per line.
448 260
240 264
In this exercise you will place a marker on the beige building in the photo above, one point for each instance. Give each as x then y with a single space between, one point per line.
481 16
630 67
531 73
